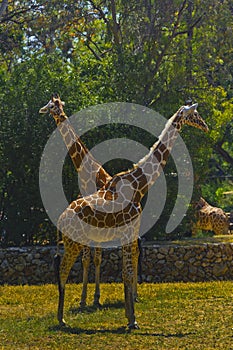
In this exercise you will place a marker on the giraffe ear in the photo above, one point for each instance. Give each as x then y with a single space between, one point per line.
63 103
189 109
194 106
47 107
44 109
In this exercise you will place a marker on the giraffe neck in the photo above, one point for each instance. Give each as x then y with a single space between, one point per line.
76 148
148 169
81 157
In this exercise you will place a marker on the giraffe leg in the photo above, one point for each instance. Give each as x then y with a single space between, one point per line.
69 257
128 279
140 259
57 262
194 229
136 267
86 262
97 262
135 272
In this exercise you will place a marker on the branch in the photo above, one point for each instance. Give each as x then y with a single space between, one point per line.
88 42
226 156
191 27
113 26
92 42
172 36
3 7
101 12
19 12
93 51
165 48
218 146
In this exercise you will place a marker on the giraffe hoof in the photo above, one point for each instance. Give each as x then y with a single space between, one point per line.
62 323
97 305
82 305
133 325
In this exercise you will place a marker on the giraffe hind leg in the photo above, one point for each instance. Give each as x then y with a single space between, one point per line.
137 263
86 262
128 279
97 262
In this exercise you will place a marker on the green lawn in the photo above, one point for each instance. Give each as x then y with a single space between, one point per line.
171 316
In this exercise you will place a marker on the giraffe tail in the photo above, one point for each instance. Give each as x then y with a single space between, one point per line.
56 264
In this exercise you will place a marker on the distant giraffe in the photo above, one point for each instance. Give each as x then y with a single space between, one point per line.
113 212
210 218
84 164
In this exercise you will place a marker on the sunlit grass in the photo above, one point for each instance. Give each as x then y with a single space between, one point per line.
171 316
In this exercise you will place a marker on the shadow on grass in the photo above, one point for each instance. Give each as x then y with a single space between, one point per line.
92 308
75 330
168 335
121 330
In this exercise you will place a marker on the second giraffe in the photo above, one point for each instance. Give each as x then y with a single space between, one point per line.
113 212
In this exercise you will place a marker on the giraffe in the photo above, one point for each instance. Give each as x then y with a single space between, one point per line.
210 218
113 212
84 163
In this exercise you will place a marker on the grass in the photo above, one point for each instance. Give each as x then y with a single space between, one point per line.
196 240
171 316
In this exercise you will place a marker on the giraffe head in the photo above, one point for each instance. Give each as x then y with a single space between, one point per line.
54 106
201 203
189 115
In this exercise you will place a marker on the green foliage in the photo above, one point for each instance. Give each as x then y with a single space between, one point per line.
154 53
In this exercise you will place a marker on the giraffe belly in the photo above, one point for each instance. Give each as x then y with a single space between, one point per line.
101 234
84 233
204 225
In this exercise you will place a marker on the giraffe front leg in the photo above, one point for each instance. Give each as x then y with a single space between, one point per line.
128 280
86 263
97 262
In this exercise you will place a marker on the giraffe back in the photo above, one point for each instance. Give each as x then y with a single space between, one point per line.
211 218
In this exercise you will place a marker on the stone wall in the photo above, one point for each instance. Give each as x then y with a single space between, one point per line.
161 263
